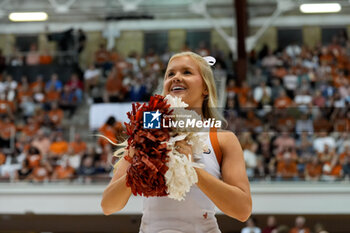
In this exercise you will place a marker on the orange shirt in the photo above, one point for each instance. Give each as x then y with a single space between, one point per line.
296 230
342 125
64 172
36 85
78 147
7 130
5 105
336 170
30 130
52 96
313 170
343 157
287 170
109 132
59 148
2 158
40 173
21 94
34 160
280 72
114 83
45 59
56 116
283 102
101 56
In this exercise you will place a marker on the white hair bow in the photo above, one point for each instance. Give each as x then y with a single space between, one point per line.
210 60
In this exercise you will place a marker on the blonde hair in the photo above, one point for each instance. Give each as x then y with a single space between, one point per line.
210 102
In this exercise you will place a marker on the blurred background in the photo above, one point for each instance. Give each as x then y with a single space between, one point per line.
73 68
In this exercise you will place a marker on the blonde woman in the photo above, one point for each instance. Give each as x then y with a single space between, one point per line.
222 183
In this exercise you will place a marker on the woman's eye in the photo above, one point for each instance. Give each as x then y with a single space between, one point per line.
187 72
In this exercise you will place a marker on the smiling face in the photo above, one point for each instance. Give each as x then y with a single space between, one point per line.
183 79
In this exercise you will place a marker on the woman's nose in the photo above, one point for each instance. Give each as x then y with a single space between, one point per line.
176 78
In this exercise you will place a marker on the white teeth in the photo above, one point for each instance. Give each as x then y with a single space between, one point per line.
177 88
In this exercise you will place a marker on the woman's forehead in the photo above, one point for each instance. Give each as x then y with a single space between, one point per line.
182 62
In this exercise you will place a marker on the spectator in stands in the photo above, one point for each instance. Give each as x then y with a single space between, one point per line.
102 59
287 168
251 226
38 84
63 171
24 172
303 100
33 56
78 145
58 148
87 170
23 89
54 83
73 157
202 49
276 89
27 107
250 158
344 159
7 132
332 169
68 100
262 94
270 61
255 79
56 115
299 226
76 86
271 224
283 101
2 157
16 58
138 90
319 228
304 124
42 142
321 140
114 87
31 127
284 142
10 86
110 129
91 78
318 99
42 172
293 50
290 83
313 169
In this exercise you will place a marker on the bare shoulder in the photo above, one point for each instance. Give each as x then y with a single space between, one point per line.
226 139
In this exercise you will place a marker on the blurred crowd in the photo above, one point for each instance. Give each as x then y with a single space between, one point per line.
272 226
291 114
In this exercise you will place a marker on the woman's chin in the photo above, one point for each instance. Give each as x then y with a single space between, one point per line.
179 94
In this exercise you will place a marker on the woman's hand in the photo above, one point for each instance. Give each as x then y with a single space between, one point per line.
131 152
184 148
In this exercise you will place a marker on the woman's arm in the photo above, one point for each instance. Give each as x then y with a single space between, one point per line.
117 194
232 194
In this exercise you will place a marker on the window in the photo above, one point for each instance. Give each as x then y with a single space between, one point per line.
195 38
23 42
289 36
329 33
158 41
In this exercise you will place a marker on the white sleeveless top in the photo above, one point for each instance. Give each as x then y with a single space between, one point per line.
195 214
